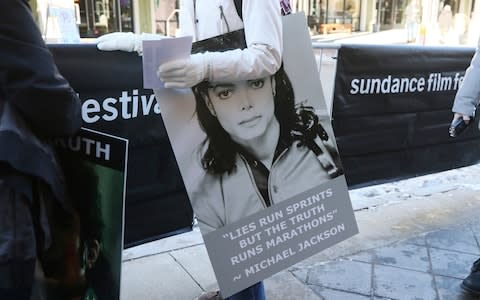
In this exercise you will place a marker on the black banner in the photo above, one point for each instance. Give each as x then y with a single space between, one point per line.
392 109
110 87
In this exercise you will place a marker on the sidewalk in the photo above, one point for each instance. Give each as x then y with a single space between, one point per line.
418 238
385 37
393 36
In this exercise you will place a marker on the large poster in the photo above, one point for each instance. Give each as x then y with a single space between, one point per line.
87 264
260 164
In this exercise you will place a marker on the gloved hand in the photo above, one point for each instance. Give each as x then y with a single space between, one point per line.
185 73
125 41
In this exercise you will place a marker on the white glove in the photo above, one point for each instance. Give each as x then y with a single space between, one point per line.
125 41
185 73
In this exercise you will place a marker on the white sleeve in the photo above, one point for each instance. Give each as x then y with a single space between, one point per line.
468 95
185 19
263 56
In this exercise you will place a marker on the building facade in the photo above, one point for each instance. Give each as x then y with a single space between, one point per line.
101 16
375 15
97 17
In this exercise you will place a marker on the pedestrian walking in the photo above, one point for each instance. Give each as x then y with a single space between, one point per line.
411 21
464 107
445 23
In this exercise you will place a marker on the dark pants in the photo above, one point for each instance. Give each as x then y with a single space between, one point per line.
255 292
16 279
26 209
17 238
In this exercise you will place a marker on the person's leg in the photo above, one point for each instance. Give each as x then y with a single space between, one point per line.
254 292
17 244
471 283
16 279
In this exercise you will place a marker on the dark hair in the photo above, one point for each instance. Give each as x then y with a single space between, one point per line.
220 153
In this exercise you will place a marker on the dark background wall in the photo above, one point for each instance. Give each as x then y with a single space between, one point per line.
388 136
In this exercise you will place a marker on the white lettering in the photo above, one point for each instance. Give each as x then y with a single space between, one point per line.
127 106
90 106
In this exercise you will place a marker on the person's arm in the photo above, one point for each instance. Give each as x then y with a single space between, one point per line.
126 41
29 78
468 95
262 57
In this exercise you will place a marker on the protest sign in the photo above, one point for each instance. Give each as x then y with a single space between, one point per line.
94 165
155 52
259 162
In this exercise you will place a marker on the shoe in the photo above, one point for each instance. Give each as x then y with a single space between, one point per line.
212 295
471 283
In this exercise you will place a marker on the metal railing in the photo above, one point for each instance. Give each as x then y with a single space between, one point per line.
326 58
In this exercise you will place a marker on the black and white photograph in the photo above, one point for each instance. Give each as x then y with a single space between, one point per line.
256 144
261 146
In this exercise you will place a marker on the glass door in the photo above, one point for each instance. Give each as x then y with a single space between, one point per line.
98 17
391 14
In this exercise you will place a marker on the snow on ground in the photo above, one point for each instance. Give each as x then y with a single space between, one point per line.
466 178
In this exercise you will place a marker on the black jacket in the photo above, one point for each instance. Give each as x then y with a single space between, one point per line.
36 102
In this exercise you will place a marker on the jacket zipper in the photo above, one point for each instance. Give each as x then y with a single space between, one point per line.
270 194
222 16
252 179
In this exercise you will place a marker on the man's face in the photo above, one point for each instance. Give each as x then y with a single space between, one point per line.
245 109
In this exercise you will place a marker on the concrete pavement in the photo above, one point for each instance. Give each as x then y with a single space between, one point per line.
393 36
418 238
